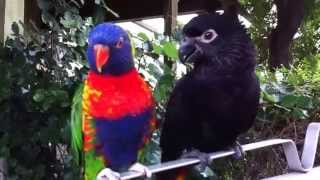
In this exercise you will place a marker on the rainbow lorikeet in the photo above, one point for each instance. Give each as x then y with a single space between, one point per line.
113 112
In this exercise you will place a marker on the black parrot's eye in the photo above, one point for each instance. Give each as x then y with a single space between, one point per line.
120 43
208 36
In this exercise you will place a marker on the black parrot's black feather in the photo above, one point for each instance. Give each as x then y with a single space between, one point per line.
218 100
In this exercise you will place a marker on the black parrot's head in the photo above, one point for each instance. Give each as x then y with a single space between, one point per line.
205 35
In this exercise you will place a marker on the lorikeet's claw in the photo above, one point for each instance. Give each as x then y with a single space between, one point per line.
204 158
141 168
108 174
239 152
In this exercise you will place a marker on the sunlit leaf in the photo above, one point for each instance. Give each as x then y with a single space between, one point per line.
143 36
156 48
170 50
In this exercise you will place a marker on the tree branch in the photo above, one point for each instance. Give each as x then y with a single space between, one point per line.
289 15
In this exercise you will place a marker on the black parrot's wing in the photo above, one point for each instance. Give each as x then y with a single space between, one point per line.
171 141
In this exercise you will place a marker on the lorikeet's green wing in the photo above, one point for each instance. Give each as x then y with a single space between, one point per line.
91 163
76 126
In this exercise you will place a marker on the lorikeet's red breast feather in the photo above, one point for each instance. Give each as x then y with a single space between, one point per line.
114 103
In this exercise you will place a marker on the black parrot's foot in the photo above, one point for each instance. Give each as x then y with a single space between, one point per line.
239 152
203 157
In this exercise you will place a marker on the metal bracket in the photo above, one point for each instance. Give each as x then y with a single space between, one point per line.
289 147
3 169
308 153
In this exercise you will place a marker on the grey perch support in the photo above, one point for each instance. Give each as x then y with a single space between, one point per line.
295 164
3 169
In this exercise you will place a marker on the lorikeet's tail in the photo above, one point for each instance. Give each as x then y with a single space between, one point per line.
76 126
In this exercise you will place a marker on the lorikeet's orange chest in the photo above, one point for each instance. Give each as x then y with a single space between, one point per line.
113 97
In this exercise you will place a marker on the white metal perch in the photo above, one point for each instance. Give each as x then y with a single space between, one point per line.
295 164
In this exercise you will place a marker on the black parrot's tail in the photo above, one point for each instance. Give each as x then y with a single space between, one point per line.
176 174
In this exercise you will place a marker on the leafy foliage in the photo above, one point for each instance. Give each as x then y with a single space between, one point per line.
34 105
39 73
261 15
290 94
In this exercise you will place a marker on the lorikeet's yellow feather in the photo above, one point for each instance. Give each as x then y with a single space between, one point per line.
93 163
87 125
133 50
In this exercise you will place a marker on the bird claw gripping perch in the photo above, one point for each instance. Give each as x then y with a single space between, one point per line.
137 167
204 158
239 152
108 174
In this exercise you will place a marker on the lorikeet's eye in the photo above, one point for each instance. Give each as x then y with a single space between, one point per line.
120 43
208 36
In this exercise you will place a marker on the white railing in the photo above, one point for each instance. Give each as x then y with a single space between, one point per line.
290 149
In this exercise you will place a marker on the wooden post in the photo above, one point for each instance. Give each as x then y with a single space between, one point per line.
170 22
2 17
170 16
10 11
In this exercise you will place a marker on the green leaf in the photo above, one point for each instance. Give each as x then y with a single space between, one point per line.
143 36
170 50
71 20
156 48
164 86
268 97
304 102
289 101
65 104
47 104
59 94
40 95
300 113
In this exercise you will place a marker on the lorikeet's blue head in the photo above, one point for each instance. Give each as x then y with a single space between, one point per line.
109 50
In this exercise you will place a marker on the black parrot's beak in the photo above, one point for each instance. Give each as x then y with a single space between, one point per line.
189 51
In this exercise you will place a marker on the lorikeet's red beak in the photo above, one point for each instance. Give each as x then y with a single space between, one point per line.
102 56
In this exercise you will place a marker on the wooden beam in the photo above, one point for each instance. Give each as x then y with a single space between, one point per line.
2 18
170 16
146 26
170 22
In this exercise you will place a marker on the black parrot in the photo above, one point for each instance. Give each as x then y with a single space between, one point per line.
218 99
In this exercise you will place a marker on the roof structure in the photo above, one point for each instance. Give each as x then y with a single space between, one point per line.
142 9
128 11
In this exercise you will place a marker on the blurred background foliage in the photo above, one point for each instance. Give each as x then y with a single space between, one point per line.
41 68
